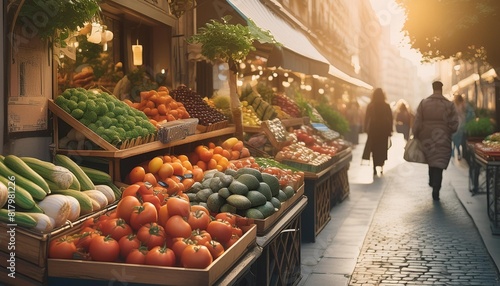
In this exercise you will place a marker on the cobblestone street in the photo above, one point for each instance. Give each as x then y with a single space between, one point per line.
389 231
414 240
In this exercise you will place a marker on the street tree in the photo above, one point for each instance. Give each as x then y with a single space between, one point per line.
442 29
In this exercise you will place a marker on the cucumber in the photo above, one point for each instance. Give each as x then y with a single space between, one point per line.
20 218
35 190
22 198
17 165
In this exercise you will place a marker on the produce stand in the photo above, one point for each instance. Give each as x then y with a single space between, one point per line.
31 249
477 183
490 162
322 189
280 262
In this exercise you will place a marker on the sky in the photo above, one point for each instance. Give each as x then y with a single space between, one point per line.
390 14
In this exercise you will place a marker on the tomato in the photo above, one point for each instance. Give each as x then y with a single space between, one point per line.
145 188
199 220
128 243
220 230
200 236
177 226
126 206
85 238
179 245
142 215
152 199
137 256
161 193
234 238
161 256
151 234
163 215
196 256
104 248
215 248
63 248
237 230
131 190
178 206
116 228
90 222
200 208
227 216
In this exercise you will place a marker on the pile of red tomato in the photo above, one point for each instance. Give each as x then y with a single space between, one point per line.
164 232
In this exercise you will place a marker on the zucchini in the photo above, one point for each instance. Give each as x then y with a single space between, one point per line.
81 197
22 197
35 209
75 185
97 176
62 177
19 166
19 218
64 161
35 190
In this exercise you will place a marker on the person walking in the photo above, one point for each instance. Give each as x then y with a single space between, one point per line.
435 122
403 120
378 126
458 137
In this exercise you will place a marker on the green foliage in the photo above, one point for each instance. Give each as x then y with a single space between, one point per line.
480 127
333 118
60 17
228 42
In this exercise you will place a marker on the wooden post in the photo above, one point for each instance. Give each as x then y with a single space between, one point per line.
235 106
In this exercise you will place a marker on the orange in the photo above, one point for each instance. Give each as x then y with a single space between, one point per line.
224 162
212 164
167 159
211 145
200 148
238 145
219 168
162 109
186 164
155 164
150 104
183 158
202 165
235 155
178 168
205 155
137 174
226 154
218 150
217 157
197 174
166 171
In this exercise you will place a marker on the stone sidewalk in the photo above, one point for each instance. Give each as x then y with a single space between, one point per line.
389 231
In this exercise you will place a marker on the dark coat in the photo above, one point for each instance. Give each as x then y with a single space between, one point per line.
436 120
378 124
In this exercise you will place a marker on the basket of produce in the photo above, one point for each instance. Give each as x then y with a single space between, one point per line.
176 130
209 118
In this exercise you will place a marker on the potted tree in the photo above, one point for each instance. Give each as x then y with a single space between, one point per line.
230 43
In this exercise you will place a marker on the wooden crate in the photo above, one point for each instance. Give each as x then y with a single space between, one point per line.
212 127
31 248
263 225
149 274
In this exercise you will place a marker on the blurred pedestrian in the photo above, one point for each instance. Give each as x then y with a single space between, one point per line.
458 137
378 126
436 120
403 120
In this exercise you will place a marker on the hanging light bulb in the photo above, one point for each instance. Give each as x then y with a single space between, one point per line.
137 54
